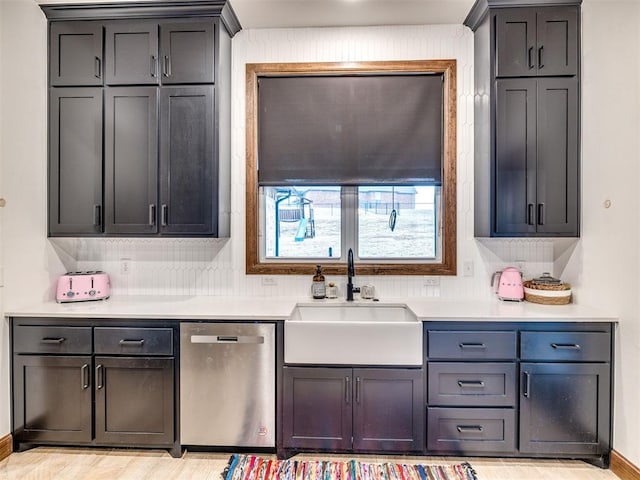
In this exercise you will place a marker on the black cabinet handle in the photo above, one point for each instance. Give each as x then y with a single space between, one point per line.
52 341
154 66
347 389
469 428
470 383
97 215
527 384
566 346
540 64
152 215
472 345
541 214
531 65
357 389
132 343
84 376
99 377
98 67
165 215
530 214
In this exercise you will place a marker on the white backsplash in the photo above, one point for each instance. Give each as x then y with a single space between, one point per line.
159 266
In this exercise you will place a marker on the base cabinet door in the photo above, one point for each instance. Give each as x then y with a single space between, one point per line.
564 408
134 401
52 398
317 408
388 413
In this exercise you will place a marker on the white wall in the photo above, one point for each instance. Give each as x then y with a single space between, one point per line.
4 337
605 266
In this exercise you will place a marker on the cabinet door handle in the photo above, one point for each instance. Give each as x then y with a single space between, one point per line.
358 389
99 377
527 385
470 383
540 64
98 67
152 215
134 343
84 376
165 215
531 65
530 214
52 341
97 215
154 66
472 345
566 346
541 214
347 389
167 66
469 428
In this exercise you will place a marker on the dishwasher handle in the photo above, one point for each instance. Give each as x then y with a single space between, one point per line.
227 339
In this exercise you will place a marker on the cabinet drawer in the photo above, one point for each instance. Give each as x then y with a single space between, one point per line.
472 345
472 384
471 430
50 339
566 346
133 341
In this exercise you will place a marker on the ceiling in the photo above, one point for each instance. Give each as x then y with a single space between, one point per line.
338 13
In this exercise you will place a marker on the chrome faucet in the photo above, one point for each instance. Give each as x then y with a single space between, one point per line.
351 272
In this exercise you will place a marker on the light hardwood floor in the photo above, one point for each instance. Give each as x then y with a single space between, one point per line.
46 463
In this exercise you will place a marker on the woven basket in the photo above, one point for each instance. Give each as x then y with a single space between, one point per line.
547 294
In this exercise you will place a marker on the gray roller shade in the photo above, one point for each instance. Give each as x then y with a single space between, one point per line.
350 130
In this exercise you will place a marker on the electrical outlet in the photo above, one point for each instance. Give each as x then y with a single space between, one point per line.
431 281
125 266
269 281
467 268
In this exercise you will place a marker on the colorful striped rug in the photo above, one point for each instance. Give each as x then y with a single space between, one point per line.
249 467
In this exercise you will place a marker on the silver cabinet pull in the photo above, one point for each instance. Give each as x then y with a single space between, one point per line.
99 377
84 376
98 68
164 215
530 220
527 385
541 214
358 389
472 345
231 339
154 66
566 346
471 383
52 341
131 343
347 389
540 64
531 65
152 215
470 428
167 66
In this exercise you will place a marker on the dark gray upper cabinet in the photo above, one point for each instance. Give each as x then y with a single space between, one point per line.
165 73
536 161
76 54
187 52
131 53
526 118
187 160
536 41
131 160
75 167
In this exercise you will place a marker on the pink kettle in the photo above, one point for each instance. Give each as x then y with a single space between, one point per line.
508 284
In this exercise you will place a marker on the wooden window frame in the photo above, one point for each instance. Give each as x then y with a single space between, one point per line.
447 263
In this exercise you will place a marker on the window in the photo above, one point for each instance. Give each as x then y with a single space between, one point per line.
376 175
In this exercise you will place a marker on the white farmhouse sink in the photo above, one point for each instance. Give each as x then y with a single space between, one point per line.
353 334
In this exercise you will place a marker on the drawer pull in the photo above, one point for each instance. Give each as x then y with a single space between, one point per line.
470 428
132 343
471 383
472 345
566 346
53 341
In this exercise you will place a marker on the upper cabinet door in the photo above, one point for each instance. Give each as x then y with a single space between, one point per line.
536 41
132 53
76 54
75 161
557 35
516 42
187 52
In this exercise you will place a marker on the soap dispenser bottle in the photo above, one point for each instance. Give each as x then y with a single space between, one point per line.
318 288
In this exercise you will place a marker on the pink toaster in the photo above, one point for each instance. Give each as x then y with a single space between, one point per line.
83 286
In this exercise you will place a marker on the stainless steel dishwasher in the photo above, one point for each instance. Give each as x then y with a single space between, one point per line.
227 384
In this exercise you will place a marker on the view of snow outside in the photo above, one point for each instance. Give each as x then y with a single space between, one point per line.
318 234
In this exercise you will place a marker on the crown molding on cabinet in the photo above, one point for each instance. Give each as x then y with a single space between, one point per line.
481 8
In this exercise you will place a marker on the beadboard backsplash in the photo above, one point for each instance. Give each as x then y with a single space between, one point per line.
216 266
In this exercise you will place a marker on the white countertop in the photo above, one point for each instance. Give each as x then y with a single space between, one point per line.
279 308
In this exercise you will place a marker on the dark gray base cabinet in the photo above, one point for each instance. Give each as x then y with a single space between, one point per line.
359 409
75 383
